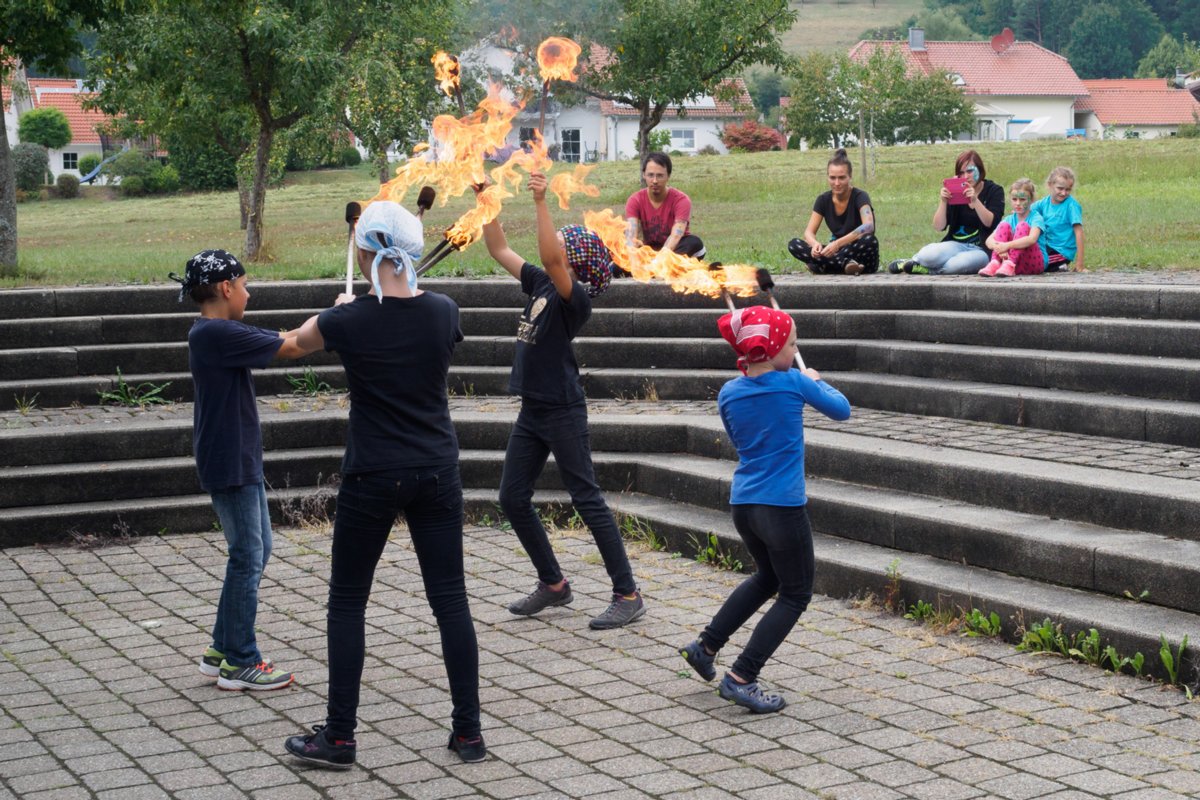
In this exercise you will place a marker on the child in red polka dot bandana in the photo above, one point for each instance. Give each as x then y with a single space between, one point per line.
757 333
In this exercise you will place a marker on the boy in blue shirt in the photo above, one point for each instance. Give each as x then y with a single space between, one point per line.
227 443
763 413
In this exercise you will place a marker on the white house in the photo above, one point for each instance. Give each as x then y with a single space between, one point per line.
601 130
1020 90
67 95
1145 108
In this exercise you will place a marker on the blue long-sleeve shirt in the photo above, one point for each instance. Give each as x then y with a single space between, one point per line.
764 417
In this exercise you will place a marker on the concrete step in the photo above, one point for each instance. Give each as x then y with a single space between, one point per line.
847 568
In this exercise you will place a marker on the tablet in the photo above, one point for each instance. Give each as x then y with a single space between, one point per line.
957 187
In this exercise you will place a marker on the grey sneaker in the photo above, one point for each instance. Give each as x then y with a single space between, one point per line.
699 659
621 611
541 597
260 677
749 695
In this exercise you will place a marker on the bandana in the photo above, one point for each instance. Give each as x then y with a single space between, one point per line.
587 255
390 231
756 333
207 267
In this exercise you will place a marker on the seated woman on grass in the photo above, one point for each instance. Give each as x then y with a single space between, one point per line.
846 211
968 220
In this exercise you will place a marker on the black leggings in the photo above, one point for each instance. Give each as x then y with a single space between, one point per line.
780 539
865 251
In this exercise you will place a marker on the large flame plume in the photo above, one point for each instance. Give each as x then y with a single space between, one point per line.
447 70
684 274
557 58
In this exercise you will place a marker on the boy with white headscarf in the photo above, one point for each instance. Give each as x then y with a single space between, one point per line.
401 457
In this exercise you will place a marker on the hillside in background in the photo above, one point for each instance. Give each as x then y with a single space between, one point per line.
835 25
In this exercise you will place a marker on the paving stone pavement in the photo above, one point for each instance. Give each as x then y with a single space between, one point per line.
984 437
100 696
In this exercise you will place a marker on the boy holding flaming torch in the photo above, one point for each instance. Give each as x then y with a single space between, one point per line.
763 413
553 416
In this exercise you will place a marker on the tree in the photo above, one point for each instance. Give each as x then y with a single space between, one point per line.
46 126
663 53
1169 55
38 33
824 91
240 73
939 109
1097 48
765 88
945 25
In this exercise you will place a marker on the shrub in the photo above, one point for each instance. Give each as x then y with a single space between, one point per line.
29 162
133 186
659 140
708 150
350 157
204 167
129 164
162 179
68 186
752 137
45 126
88 163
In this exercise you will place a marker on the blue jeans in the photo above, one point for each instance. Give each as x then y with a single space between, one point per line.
780 539
246 522
432 504
952 258
542 429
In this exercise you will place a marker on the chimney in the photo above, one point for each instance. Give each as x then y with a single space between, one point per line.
916 39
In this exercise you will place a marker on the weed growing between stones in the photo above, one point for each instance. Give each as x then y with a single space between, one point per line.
26 404
976 623
892 600
640 532
1172 661
124 393
712 551
308 383
310 508
120 534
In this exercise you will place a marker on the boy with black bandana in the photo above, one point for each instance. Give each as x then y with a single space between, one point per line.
227 443
553 416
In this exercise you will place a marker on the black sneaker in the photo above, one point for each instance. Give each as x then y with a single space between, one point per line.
470 749
319 749
749 695
902 265
699 660
540 598
621 611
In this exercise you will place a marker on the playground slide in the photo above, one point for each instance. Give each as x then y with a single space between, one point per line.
91 176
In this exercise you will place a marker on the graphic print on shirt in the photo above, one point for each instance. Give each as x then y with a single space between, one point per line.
527 327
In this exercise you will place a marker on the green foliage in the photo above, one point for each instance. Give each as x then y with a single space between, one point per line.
919 611
1044 637
26 404
638 530
124 393
977 623
88 162
1118 663
715 553
945 25
349 157
308 383
202 166
45 126
765 87
29 161
163 179
67 186
825 88
131 163
1170 54
659 141
133 186
1172 660
892 600
1086 647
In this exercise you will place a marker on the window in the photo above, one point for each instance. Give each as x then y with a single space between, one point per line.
571 149
525 135
683 138
70 160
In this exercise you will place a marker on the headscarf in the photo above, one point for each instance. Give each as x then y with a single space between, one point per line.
390 231
587 255
207 267
756 333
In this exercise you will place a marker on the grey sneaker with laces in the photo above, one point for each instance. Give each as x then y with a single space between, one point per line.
621 611
540 598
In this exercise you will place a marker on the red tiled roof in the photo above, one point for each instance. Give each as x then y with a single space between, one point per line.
1023 68
1138 101
83 123
737 106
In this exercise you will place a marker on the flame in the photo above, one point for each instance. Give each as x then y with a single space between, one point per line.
557 58
446 69
684 274
565 184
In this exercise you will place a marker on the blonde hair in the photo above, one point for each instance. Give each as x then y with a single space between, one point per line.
1024 185
1061 173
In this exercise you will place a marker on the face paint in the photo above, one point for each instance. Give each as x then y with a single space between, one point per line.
972 172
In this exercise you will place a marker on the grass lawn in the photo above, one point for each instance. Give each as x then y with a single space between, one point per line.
836 25
1139 199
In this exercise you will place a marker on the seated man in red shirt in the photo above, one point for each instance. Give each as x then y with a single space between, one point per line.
658 215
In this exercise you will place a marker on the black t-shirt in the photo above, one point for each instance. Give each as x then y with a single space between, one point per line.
848 220
226 438
544 367
396 354
963 224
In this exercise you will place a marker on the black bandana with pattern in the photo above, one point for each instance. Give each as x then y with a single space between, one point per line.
208 267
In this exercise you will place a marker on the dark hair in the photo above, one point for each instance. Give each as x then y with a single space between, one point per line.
662 159
841 159
204 292
969 157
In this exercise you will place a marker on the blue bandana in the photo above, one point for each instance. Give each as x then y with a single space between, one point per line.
390 231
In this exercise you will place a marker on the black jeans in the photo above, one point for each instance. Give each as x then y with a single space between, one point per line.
542 429
780 539
865 251
431 501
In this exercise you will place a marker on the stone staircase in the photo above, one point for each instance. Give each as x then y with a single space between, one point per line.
1027 447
